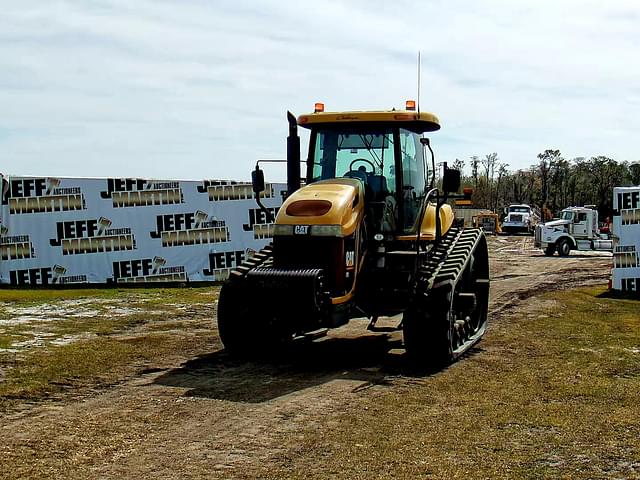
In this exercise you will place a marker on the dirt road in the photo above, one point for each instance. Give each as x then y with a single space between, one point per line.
212 417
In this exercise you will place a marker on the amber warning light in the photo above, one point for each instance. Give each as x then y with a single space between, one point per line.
319 107
410 105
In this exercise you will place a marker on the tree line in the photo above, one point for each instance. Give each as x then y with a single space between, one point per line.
553 183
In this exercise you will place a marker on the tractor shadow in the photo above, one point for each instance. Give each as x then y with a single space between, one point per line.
372 359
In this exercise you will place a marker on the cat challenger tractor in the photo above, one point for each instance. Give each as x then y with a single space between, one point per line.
367 235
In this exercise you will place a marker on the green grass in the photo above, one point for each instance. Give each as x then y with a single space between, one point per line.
149 295
41 295
93 362
6 340
110 347
554 394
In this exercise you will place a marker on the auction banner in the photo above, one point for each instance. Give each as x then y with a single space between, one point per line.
56 231
626 231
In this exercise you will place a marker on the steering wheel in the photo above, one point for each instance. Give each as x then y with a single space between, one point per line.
373 168
361 173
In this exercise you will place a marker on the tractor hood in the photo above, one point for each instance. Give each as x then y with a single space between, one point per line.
325 208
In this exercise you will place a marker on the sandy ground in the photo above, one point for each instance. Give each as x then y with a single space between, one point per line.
212 417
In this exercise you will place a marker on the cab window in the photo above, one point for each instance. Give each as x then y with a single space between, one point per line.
581 217
367 155
413 178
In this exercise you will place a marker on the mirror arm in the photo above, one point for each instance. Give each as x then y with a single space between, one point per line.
257 181
267 212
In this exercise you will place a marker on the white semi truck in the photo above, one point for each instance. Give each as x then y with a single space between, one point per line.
577 229
520 218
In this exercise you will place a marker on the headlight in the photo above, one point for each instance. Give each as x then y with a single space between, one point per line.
282 229
313 230
326 230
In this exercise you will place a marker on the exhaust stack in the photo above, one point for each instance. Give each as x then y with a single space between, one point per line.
293 155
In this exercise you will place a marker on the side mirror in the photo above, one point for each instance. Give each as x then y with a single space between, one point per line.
257 179
451 180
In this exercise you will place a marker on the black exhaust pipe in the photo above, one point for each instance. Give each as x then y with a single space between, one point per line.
293 155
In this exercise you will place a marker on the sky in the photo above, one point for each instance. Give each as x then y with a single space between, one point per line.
195 89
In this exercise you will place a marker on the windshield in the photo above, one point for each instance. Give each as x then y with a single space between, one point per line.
355 154
519 209
368 154
567 215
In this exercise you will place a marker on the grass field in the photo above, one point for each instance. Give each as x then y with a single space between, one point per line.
54 342
552 391
551 394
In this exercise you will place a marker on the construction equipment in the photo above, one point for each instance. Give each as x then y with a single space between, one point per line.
361 238
488 221
577 229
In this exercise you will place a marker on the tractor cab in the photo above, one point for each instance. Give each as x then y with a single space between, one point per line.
383 151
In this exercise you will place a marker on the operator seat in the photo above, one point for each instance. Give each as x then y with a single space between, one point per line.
378 184
381 196
359 174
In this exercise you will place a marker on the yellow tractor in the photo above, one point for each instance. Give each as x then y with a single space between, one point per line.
365 233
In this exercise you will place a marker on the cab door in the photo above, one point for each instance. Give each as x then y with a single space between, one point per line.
580 225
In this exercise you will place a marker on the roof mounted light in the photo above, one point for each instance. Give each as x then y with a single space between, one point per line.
410 105
318 107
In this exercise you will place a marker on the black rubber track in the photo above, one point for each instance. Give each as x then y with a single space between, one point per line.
448 311
238 323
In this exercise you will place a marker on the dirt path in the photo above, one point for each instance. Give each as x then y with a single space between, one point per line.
215 418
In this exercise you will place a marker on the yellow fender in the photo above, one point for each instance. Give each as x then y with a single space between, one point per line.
428 227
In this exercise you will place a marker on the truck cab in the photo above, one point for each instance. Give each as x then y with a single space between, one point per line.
520 218
583 222
576 229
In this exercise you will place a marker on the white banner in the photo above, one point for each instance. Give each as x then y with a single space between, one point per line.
626 230
120 230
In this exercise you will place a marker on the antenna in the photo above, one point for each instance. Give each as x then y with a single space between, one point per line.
419 82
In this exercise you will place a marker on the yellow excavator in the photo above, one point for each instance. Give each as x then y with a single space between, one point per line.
365 233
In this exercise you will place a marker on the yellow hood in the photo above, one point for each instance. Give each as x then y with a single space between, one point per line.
339 201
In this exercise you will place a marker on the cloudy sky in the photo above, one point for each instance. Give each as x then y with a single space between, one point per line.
193 89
